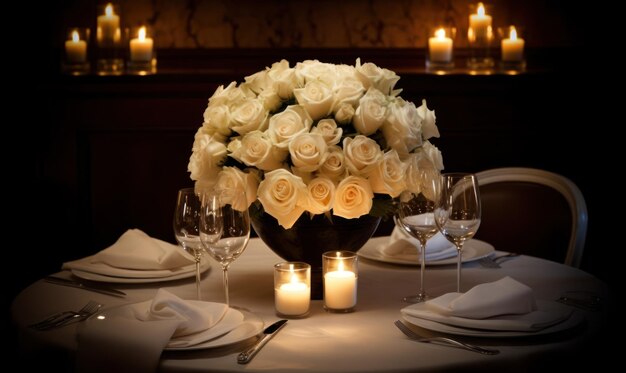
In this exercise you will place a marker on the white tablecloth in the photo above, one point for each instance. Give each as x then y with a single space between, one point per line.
363 341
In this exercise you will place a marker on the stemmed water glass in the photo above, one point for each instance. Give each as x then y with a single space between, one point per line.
414 214
186 227
458 212
224 227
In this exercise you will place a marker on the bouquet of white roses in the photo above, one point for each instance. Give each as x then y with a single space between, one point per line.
317 137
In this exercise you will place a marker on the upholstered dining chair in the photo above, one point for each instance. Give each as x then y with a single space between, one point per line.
533 212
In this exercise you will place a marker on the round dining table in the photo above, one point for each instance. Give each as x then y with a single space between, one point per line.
365 340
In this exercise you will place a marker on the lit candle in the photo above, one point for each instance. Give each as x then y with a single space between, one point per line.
141 47
340 288
76 49
109 26
512 47
292 298
440 47
480 25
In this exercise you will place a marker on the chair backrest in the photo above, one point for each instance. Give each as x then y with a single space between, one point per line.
533 212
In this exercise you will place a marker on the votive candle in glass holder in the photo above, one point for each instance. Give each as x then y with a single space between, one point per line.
340 273
480 37
511 48
142 56
292 289
75 60
109 39
440 49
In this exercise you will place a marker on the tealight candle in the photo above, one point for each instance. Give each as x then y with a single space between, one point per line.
440 47
109 26
141 47
512 47
292 289
340 280
76 49
480 25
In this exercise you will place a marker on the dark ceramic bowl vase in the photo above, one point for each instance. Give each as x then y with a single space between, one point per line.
309 238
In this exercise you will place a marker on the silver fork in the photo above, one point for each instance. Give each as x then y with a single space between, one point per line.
444 341
67 317
492 262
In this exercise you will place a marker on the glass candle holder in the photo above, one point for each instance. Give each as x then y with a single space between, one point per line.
512 48
480 37
340 272
75 58
109 39
440 55
141 52
292 289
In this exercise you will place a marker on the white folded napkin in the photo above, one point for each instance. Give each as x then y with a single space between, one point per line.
135 335
135 251
505 304
403 246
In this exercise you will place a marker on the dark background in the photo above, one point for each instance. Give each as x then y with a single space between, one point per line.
98 155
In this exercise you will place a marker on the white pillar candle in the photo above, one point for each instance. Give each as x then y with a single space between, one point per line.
340 289
109 26
512 47
141 47
480 25
440 47
76 49
292 298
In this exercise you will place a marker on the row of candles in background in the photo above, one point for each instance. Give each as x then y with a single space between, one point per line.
292 284
116 51
480 37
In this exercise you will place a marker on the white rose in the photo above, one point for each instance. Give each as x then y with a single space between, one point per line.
256 149
258 82
429 128
308 151
362 154
208 154
284 126
217 117
270 100
373 76
344 114
422 176
284 79
353 198
389 175
371 113
348 91
249 116
433 154
334 166
231 95
402 128
313 70
329 131
316 98
283 196
321 195
238 188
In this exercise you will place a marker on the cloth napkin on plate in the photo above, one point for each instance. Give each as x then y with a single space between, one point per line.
132 338
505 304
134 251
403 246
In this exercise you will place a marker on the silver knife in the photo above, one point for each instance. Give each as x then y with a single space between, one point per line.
269 332
82 285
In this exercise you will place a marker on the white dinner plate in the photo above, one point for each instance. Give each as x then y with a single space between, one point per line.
472 250
205 264
252 325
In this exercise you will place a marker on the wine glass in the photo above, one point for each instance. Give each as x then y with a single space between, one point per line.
458 212
186 227
414 214
224 227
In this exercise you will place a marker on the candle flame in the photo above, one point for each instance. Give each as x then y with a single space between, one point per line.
440 34
294 278
481 10
75 36
513 33
142 36
340 266
108 10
